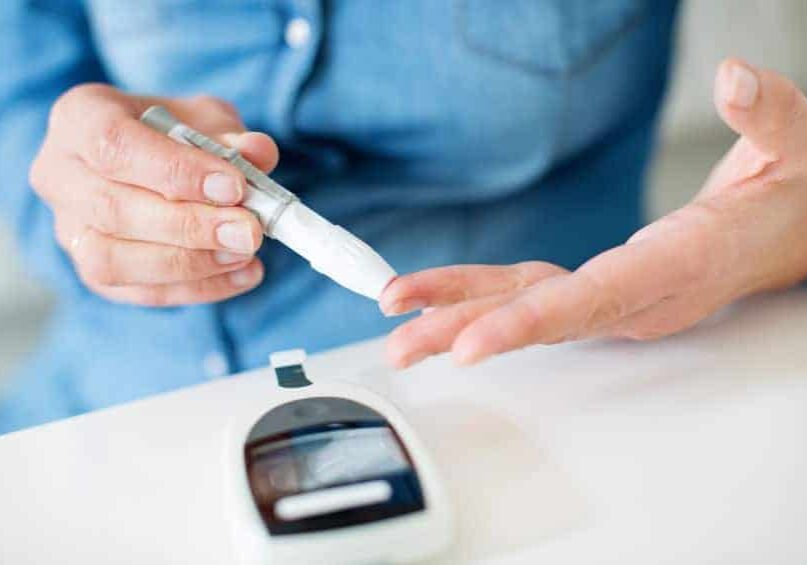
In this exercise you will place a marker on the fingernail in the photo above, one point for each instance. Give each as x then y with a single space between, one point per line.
244 277
228 258
232 139
740 86
236 236
221 188
403 306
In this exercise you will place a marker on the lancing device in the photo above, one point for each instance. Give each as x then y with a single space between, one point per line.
330 249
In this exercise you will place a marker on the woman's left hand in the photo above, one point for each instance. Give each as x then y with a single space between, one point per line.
745 232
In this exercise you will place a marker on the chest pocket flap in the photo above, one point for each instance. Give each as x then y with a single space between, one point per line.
555 37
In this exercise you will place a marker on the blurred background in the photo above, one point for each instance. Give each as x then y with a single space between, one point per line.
767 32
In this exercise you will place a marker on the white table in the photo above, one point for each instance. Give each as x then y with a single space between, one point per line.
688 450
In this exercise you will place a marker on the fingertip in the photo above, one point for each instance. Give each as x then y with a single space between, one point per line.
465 354
395 354
403 306
247 277
260 270
395 300
469 347
223 188
387 312
257 232
258 148
737 85
230 258
387 300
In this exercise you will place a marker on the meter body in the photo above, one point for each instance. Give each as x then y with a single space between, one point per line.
336 475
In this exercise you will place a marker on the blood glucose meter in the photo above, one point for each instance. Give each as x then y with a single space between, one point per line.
336 475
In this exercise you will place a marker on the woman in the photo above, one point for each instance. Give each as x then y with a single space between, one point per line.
440 132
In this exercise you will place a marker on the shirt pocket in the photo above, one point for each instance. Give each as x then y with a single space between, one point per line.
550 37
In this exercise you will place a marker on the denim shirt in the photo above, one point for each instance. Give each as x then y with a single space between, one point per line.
453 131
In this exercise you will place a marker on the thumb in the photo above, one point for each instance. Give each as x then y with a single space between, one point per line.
220 120
763 106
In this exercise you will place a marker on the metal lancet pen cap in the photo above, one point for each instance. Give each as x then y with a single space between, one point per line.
160 119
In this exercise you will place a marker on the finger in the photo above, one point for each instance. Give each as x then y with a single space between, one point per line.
132 213
257 148
220 120
113 143
102 260
542 314
664 318
763 106
457 283
435 331
70 234
669 260
213 289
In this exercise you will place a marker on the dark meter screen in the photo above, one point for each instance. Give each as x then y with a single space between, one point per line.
324 463
329 457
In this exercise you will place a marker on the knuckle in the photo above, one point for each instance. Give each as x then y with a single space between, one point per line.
709 247
61 106
178 174
69 236
96 265
528 322
57 109
87 89
189 228
111 152
607 305
105 211
70 104
36 174
611 307
522 274
706 244
182 264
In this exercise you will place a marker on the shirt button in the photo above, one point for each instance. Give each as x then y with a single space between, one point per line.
298 33
215 365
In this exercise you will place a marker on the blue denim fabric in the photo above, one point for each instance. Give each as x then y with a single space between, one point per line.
439 131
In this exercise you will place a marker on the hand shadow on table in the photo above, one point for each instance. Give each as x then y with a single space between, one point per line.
507 492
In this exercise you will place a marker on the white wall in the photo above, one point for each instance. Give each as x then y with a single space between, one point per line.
766 32
771 33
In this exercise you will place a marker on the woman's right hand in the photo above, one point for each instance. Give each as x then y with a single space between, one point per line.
147 220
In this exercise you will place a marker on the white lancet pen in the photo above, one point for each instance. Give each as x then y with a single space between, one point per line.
330 249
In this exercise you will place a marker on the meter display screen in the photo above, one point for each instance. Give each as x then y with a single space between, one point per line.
309 449
326 458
